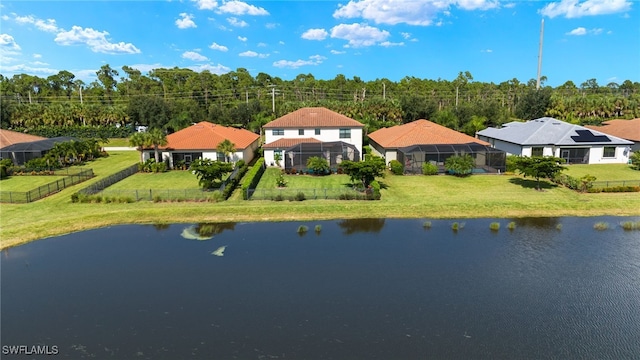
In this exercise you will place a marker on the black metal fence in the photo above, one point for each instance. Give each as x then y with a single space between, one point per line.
109 180
615 183
158 195
47 189
309 194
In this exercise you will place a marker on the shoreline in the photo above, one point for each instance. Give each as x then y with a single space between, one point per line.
214 213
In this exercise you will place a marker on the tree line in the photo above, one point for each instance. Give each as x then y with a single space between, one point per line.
172 99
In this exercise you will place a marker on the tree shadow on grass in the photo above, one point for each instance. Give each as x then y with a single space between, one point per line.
532 183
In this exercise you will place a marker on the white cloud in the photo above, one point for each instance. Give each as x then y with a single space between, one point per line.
240 8
242 38
48 25
281 42
271 25
37 56
389 44
313 60
192 55
406 35
215 46
315 34
575 8
185 21
509 5
236 22
7 42
262 44
359 34
206 4
410 12
214 69
4 17
250 53
96 40
486 51
21 68
145 68
579 31
39 63
336 52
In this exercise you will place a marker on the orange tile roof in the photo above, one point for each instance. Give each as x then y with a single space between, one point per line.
8 137
626 129
313 117
420 132
287 143
206 136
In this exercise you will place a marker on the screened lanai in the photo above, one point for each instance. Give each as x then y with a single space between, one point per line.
20 153
335 152
487 159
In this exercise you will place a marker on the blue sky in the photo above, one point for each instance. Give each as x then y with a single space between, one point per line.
495 40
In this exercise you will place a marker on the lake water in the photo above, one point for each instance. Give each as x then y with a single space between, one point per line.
364 289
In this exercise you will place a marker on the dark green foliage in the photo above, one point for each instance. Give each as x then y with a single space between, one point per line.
534 104
232 184
586 182
635 160
615 189
210 172
318 165
240 163
5 166
253 177
511 163
364 171
151 111
280 181
300 196
396 167
539 167
79 131
567 181
429 169
459 165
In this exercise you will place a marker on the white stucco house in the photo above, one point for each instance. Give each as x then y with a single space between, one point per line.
312 131
200 141
551 137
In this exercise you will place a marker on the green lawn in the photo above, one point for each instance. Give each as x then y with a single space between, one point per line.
169 180
26 183
604 172
270 175
117 142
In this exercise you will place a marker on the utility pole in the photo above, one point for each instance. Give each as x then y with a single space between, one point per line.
540 54
29 97
80 87
384 91
273 98
246 92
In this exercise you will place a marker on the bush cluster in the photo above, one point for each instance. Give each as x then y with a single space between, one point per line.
79 131
615 189
233 183
251 180
396 167
151 166
429 169
567 181
97 199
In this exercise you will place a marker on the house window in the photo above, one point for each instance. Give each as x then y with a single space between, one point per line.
537 151
345 133
300 131
609 152
277 132
221 156
317 131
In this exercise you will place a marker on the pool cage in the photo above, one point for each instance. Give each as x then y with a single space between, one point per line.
296 157
487 159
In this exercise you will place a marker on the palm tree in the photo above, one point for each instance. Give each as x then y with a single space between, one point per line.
157 138
227 148
140 141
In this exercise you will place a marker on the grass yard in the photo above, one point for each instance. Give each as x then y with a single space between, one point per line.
117 142
174 179
604 172
333 181
26 183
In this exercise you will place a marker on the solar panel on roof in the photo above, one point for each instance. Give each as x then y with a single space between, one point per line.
587 136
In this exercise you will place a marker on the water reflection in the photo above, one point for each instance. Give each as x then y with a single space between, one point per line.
205 231
352 226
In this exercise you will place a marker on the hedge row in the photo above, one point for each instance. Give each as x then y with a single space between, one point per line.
79 131
253 177
232 184
615 189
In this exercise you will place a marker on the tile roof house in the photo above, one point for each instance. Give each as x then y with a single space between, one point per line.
423 141
8 137
201 141
312 131
624 129
551 137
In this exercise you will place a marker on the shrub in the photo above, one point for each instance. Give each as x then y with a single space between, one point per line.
459 165
426 224
318 228
302 229
630 225
495 226
278 197
455 226
240 163
429 169
157 199
396 167
300 196
318 165
251 180
280 181
601 225
511 226
635 160
233 183
511 163
586 183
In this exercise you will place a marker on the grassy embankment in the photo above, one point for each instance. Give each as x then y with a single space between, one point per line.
430 197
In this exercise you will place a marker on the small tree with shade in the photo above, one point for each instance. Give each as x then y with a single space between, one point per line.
364 171
459 165
318 165
210 172
539 167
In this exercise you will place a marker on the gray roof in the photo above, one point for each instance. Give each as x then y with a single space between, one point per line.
550 131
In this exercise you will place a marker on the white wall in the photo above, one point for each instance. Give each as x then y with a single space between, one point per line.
596 155
509 148
326 135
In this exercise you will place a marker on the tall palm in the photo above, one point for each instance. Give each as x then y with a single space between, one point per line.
227 148
140 141
157 138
